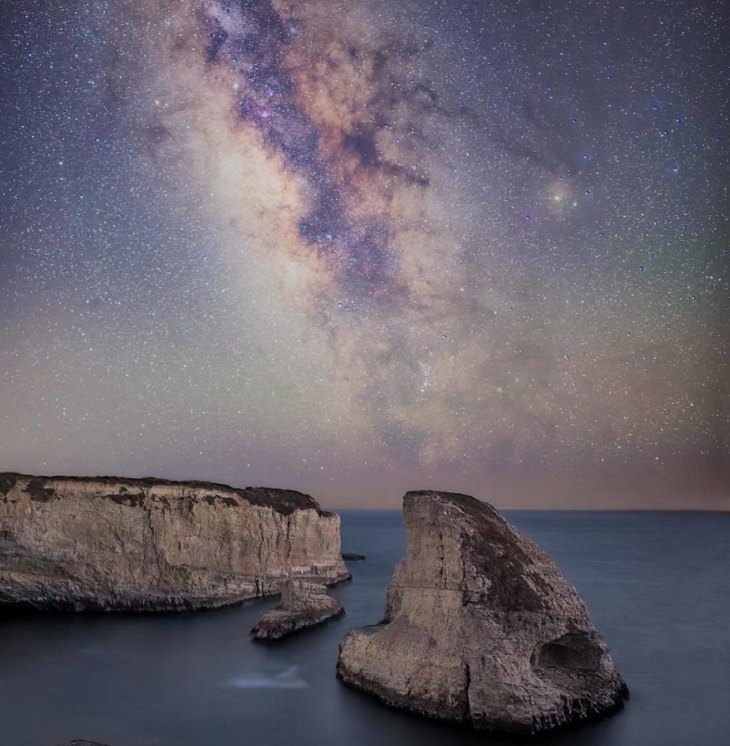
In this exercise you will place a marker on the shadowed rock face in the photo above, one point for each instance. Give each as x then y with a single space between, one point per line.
303 605
108 544
353 557
480 627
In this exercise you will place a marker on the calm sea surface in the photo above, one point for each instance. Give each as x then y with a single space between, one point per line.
657 584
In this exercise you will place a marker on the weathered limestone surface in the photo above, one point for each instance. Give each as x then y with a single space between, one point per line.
481 627
76 543
303 604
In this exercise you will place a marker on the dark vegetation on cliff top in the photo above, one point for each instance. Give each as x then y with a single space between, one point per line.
283 501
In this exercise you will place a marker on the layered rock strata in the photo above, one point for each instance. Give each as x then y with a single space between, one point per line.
303 604
480 627
108 544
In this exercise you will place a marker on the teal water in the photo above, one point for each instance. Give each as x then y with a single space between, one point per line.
657 584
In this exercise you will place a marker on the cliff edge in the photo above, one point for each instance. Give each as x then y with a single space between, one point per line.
111 544
480 627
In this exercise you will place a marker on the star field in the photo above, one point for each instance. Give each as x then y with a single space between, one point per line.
360 247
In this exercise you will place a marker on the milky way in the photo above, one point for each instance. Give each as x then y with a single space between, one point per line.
335 163
354 247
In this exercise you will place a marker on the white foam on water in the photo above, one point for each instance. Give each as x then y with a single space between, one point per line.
287 678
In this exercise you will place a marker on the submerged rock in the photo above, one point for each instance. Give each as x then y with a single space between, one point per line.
353 557
108 544
303 605
82 743
480 627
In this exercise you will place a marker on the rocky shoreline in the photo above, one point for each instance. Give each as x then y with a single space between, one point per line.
480 628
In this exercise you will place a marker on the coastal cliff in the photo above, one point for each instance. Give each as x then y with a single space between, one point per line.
111 544
480 627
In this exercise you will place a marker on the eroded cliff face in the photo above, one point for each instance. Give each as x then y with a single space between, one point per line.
153 545
481 627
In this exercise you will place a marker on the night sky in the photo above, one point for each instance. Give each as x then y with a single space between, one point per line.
354 247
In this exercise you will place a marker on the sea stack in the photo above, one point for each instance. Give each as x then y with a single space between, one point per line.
109 544
303 604
481 628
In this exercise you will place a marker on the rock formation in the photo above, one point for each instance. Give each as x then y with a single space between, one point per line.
353 557
108 544
303 604
480 627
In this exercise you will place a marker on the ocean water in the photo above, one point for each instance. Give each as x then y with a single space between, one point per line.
657 584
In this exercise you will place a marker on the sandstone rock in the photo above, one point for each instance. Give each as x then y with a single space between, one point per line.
303 605
480 627
76 543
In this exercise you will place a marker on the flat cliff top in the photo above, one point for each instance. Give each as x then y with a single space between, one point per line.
280 500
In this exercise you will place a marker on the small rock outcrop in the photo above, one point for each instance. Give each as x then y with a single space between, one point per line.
303 604
353 557
109 544
480 627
